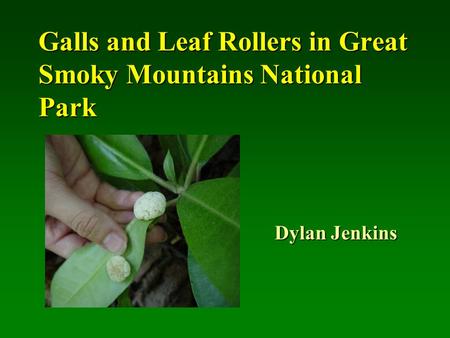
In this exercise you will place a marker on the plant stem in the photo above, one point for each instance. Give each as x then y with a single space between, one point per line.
169 186
198 171
172 202
193 165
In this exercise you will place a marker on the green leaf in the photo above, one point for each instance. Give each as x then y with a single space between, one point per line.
213 144
236 171
205 293
127 184
124 299
209 215
176 144
82 281
117 155
169 168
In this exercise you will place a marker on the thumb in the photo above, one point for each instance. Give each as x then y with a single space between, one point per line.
89 222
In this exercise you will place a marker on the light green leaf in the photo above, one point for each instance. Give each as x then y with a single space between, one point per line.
178 150
169 168
209 214
213 144
236 171
117 155
205 293
82 281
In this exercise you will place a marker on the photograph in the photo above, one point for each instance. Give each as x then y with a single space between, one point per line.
142 221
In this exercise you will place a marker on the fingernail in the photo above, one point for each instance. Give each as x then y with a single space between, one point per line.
113 242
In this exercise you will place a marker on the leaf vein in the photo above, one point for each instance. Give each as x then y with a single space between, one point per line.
123 157
212 210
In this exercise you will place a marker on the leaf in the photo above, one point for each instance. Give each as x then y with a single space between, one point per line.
213 144
178 150
118 156
124 299
82 281
209 215
169 169
127 184
205 293
236 171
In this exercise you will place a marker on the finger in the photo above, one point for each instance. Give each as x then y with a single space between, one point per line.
157 235
52 164
102 207
115 198
86 184
82 217
122 217
72 158
65 160
60 239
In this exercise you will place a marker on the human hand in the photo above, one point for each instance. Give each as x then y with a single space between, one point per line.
79 207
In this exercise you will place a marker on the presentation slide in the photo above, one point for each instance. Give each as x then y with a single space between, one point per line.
272 169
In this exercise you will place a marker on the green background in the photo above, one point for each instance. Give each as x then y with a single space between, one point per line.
319 155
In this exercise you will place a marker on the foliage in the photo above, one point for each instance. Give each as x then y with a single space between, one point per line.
208 212
82 281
